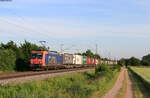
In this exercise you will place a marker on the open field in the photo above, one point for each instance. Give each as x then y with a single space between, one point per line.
141 81
144 72
77 85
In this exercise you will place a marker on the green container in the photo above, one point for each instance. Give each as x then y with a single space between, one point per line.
84 61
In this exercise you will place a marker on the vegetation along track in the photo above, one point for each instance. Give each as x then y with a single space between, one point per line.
16 77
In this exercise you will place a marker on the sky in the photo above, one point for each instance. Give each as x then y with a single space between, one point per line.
120 28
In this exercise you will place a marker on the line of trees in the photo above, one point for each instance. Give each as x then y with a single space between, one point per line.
17 57
90 54
13 57
133 61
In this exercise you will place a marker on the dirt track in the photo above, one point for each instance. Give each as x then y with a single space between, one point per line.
129 90
123 76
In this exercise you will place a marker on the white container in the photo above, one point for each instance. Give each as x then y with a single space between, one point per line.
96 61
77 59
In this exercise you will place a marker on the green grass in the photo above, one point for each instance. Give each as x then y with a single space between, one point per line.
76 85
140 77
105 85
144 72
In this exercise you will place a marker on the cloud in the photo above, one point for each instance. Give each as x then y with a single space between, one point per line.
60 28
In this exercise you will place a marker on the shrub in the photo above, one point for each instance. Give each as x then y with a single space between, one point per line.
102 68
13 57
146 60
7 60
117 67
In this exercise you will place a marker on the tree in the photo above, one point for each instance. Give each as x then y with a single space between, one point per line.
22 63
134 61
12 46
97 56
123 62
131 61
13 57
146 60
90 54
7 59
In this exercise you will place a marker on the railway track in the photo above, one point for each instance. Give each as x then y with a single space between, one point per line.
25 76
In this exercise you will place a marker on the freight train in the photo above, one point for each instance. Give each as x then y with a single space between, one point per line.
55 60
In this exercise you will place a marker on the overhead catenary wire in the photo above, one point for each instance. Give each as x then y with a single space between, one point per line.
25 20
20 26
25 29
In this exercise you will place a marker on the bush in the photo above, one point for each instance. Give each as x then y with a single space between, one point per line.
134 61
117 67
102 68
146 60
21 65
13 57
75 85
7 60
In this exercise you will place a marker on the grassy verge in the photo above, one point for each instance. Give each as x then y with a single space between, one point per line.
75 85
141 85
105 85
5 72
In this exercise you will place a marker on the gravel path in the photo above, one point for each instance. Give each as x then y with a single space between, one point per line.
118 85
114 91
129 91
37 77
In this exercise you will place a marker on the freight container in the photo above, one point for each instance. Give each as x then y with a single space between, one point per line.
89 61
77 59
93 61
96 61
53 59
84 60
67 58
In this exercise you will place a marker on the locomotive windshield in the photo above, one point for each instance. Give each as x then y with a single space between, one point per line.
37 55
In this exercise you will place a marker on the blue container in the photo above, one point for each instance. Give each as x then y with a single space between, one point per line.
53 59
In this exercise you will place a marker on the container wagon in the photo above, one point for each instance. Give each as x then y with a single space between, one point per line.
45 60
67 59
84 60
77 60
89 61
53 60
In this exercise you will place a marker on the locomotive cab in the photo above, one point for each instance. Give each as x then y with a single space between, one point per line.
37 59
